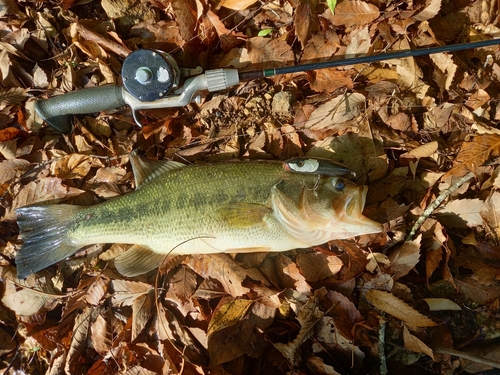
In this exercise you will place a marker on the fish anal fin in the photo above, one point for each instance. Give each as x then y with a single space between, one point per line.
145 169
243 215
138 260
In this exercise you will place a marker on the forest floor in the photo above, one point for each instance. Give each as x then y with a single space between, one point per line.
413 129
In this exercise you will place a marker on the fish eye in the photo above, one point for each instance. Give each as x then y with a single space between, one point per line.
300 163
338 184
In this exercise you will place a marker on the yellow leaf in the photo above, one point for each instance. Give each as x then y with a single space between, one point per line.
392 305
229 314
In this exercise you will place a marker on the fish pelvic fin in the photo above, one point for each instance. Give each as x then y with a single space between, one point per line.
44 231
138 260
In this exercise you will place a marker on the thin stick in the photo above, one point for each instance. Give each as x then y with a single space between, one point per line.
470 357
434 205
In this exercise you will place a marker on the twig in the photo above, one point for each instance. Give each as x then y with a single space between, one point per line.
470 357
434 205
381 347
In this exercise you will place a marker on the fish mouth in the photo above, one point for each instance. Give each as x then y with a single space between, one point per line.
355 222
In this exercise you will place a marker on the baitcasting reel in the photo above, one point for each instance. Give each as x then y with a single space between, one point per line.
151 79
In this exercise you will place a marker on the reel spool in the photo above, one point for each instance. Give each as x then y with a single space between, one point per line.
149 75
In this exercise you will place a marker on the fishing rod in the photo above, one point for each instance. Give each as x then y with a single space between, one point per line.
152 80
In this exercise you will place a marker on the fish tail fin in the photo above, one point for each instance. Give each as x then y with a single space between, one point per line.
44 231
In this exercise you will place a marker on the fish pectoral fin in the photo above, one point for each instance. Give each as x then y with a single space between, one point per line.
138 260
145 169
243 215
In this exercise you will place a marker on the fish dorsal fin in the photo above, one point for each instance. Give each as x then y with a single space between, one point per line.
138 260
243 215
145 169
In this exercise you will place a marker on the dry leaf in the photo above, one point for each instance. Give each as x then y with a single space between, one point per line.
335 111
431 9
228 314
318 266
354 13
237 4
445 63
306 20
71 166
467 210
392 305
27 301
47 190
475 153
405 258
416 345
441 304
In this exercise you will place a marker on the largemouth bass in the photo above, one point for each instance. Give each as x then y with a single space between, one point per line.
230 207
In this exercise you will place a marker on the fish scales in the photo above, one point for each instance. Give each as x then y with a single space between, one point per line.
177 206
223 207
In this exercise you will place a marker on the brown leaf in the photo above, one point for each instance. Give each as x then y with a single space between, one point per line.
405 258
225 270
414 344
101 335
125 292
306 20
237 4
26 301
291 272
228 313
490 213
337 110
269 53
329 80
475 153
8 134
392 305
10 169
344 313
432 8
142 309
317 266
47 190
467 210
71 166
354 13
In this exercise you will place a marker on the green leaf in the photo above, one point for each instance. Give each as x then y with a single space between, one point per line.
265 32
332 4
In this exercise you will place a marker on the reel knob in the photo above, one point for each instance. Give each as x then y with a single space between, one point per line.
150 75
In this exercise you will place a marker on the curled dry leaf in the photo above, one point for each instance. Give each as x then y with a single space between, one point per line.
441 304
392 305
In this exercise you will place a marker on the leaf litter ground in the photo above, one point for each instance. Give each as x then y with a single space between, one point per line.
409 128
